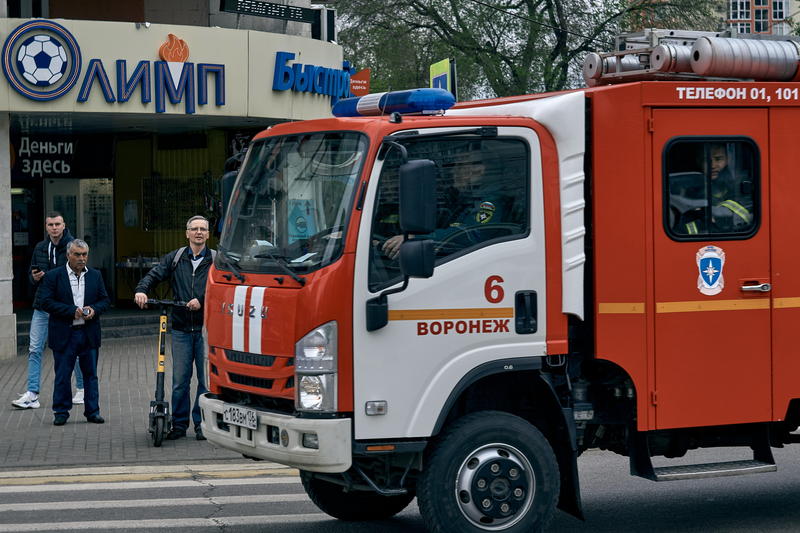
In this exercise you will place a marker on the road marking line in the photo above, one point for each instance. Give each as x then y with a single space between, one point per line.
159 502
38 488
221 467
144 477
166 523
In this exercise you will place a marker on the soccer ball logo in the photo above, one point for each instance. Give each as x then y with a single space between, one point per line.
42 60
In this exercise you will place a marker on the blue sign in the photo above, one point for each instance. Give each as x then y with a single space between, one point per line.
42 61
311 78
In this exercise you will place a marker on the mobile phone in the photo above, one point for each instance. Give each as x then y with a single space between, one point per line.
35 270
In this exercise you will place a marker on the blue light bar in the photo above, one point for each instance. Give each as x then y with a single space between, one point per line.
425 101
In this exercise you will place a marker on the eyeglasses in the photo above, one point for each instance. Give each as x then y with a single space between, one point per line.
198 229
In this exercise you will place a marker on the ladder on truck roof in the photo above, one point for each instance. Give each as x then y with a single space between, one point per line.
656 54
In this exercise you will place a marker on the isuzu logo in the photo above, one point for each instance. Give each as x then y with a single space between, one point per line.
229 308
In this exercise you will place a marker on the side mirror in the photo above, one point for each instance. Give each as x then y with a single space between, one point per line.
227 181
418 196
416 258
417 216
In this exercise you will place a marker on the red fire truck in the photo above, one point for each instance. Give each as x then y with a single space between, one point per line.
453 304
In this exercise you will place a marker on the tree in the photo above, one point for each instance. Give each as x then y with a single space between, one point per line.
502 47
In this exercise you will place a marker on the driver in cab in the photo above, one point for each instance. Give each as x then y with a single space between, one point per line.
730 208
468 206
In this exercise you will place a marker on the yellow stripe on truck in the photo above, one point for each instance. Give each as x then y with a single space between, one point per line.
442 314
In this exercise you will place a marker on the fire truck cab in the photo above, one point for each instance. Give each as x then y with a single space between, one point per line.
454 304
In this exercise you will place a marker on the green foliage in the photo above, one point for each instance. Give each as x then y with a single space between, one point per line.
501 47
794 25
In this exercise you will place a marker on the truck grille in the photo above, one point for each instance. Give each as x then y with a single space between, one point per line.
280 405
273 375
250 381
249 358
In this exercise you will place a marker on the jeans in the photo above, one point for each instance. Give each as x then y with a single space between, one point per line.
64 363
38 338
187 350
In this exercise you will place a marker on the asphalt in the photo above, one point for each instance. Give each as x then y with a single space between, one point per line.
126 370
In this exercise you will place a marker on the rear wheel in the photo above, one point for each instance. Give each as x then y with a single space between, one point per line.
491 471
353 505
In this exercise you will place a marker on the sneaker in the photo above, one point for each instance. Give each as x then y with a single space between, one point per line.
78 398
29 400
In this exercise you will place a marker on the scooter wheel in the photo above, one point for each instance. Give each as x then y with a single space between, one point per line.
158 431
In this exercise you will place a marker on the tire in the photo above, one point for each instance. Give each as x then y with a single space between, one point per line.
354 505
158 431
491 457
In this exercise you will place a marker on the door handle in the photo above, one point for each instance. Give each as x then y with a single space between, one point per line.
525 312
761 287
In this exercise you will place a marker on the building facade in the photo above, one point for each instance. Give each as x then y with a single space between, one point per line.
765 17
121 115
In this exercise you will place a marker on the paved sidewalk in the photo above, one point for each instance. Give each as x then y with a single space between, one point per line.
126 370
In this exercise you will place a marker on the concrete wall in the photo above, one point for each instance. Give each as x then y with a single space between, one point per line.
8 320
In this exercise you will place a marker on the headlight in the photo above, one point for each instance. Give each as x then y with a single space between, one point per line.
316 352
317 392
315 368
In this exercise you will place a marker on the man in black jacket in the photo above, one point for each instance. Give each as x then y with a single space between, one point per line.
187 270
47 255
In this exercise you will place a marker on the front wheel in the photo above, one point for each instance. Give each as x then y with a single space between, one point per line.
353 505
491 471
158 431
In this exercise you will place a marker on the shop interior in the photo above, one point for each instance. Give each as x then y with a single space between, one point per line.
128 193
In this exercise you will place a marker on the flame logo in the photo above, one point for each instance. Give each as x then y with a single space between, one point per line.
174 49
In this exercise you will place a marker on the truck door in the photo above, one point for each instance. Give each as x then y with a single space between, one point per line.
490 261
712 267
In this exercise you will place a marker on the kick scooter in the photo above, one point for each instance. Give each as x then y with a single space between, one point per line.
159 408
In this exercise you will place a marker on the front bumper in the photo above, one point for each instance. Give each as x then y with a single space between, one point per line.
334 436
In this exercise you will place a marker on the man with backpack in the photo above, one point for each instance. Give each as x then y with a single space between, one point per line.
187 270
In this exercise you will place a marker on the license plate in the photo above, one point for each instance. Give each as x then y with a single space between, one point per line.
240 416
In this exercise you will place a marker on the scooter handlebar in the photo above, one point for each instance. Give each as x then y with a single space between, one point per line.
174 303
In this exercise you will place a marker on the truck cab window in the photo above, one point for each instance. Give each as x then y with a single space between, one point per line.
711 187
293 201
482 198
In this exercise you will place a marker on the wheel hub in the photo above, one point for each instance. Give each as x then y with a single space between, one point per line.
495 486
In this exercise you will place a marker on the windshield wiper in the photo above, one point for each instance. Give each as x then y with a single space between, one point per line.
281 262
230 263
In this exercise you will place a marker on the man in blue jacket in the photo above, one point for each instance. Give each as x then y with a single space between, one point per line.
75 297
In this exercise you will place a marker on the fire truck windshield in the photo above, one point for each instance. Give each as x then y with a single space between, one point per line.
292 201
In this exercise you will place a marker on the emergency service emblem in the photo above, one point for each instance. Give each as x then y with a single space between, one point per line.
710 261
485 212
